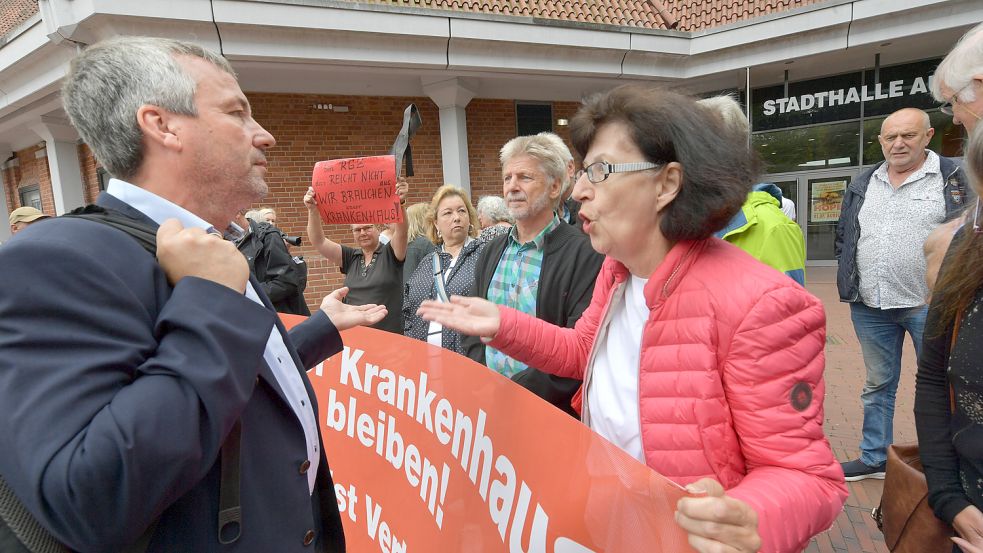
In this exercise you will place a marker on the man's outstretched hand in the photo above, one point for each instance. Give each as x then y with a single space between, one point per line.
346 316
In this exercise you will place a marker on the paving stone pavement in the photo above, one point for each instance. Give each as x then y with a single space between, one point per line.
854 530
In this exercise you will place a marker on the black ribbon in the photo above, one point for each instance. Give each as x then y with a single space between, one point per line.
401 147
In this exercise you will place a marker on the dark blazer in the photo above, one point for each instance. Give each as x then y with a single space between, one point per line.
566 282
117 391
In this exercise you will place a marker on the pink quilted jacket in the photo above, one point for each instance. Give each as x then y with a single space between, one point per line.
730 381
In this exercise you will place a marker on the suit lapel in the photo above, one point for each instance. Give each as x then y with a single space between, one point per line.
266 372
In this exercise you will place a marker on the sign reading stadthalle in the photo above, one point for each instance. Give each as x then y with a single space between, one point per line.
852 95
432 452
357 191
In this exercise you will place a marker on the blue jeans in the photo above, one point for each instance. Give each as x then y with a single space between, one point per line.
881 334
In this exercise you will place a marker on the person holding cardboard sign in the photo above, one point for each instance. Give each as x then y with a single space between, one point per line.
698 360
373 271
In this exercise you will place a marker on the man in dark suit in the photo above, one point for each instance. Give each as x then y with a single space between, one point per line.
122 374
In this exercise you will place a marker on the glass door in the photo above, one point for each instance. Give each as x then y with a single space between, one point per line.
825 198
817 196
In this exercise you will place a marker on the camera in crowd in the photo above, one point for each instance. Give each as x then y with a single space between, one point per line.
292 240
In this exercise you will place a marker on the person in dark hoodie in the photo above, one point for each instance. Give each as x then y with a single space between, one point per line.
282 278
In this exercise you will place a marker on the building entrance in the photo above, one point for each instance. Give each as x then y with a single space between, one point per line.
817 196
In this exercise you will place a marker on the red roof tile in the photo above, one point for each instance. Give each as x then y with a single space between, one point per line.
691 15
15 12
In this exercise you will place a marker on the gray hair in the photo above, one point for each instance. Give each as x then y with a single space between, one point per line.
729 111
254 216
960 65
561 147
547 148
494 208
112 79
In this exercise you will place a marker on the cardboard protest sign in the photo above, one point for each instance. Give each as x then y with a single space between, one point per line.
430 451
357 191
826 200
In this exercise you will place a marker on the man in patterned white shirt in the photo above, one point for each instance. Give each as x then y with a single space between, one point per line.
888 212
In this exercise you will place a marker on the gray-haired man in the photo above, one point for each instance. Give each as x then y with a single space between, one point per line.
129 374
542 266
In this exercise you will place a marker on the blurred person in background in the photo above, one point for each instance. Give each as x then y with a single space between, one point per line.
697 359
494 217
270 262
22 217
418 244
761 228
267 215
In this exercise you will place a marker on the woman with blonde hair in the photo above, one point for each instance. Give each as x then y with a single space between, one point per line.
950 429
452 224
418 244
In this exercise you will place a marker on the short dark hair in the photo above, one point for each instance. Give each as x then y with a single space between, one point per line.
718 166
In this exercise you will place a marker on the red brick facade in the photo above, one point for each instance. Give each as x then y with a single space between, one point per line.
306 135
30 171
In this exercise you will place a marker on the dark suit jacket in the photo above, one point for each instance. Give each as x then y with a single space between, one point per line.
117 391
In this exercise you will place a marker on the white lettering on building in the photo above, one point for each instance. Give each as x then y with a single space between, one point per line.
842 97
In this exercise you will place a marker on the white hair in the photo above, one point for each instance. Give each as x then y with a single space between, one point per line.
494 208
726 108
960 66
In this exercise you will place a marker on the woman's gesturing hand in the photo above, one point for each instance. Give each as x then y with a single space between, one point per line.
969 524
717 522
472 316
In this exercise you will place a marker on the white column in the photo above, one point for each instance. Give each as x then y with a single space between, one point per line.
61 141
452 97
5 152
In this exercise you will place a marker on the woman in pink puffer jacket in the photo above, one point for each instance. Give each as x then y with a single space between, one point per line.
698 360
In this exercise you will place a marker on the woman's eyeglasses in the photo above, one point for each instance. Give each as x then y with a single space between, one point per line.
948 106
976 217
599 171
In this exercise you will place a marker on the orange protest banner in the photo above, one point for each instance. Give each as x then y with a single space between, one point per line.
432 452
357 191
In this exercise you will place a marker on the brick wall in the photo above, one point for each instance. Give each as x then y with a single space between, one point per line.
90 177
30 171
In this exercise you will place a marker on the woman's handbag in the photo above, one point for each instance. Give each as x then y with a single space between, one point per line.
908 523
904 516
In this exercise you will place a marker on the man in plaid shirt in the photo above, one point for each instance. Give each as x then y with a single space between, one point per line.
541 267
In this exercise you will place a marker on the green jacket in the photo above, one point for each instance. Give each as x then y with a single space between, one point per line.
762 230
